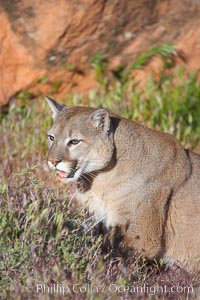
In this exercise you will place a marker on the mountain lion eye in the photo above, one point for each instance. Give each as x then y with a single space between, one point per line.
51 137
74 142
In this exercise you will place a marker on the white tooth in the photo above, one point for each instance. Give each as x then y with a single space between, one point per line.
63 167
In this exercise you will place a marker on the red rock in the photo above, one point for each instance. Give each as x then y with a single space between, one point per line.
45 39
17 68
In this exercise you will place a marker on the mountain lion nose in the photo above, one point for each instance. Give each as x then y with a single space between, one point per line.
55 161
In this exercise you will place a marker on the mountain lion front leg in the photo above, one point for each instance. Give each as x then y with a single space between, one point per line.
145 230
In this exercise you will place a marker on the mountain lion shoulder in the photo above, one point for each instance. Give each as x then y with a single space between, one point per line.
136 180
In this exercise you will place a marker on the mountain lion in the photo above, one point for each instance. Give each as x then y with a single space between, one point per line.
135 180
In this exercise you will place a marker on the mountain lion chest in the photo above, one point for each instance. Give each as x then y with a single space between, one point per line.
97 205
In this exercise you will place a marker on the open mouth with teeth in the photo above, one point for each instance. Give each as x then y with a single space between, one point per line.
63 174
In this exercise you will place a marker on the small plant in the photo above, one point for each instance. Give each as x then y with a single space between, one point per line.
69 66
43 79
56 86
99 65
167 52
24 95
3 188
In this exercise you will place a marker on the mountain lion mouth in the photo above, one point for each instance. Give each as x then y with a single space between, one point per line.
63 174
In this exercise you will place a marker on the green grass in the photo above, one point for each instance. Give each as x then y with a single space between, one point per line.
45 237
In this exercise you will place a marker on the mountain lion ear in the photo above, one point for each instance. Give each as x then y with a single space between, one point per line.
54 105
100 119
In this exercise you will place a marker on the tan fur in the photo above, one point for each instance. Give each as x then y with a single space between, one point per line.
134 179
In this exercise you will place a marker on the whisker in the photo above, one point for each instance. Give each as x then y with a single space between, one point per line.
88 219
96 223
86 178
90 175
70 201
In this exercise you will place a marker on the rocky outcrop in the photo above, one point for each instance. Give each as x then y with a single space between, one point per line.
47 45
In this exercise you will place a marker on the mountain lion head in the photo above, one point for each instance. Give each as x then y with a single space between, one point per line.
80 141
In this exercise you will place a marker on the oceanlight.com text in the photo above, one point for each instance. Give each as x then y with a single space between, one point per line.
42 288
